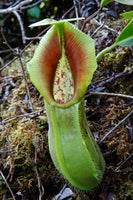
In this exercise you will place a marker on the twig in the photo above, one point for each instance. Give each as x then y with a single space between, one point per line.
90 17
116 127
67 12
15 3
33 38
21 25
107 81
8 63
30 115
14 9
40 187
92 35
7 50
5 41
124 162
26 84
22 68
7 185
32 5
110 94
10 77
76 12
11 9
104 26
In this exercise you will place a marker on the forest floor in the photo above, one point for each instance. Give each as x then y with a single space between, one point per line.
25 161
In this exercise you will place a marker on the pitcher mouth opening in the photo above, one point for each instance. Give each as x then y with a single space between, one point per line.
63 65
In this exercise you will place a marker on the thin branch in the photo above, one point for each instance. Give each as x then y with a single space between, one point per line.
15 3
90 17
33 38
5 41
21 25
26 84
30 115
76 12
8 63
124 162
14 9
7 50
67 12
95 22
40 187
7 185
11 9
107 81
92 35
10 77
22 68
110 94
32 5
116 127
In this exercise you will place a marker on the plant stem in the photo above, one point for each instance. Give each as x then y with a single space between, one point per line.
106 50
110 94
7 185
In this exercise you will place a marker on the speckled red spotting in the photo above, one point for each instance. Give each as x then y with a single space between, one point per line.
63 87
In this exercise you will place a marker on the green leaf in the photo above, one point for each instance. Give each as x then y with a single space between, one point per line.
105 2
128 15
126 36
124 39
127 2
34 12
